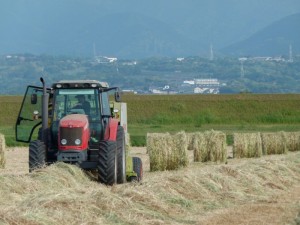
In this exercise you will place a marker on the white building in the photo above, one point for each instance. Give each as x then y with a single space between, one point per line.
207 82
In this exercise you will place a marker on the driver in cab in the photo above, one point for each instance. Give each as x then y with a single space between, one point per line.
82 104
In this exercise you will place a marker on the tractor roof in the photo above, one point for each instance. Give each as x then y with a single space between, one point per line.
80 84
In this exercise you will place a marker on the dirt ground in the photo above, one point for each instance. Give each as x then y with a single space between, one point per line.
284 207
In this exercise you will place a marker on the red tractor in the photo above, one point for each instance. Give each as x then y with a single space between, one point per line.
79 126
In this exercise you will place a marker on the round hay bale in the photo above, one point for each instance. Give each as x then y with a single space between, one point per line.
190 140
217 146
177 156
201 150
210 146
274 143
2 150
166 151
158 145
293 141
247 145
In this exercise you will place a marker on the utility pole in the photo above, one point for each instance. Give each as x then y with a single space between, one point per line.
211 52
94 49
291 54
242 67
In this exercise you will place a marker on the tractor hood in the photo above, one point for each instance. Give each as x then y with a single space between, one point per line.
74 120
74 133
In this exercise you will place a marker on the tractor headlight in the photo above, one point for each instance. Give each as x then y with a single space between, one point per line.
63 141
77 142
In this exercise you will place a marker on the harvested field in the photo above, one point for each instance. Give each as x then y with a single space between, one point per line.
262 190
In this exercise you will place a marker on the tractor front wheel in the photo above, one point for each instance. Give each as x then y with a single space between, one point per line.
107 163
37 155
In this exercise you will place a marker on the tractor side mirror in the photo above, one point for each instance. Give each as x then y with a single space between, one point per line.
117 96
33 99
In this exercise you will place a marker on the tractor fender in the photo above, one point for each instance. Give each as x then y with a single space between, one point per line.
111 131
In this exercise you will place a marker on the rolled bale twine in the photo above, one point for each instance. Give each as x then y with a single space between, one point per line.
247 145
293 141
166 151
210 146
2 150
274 143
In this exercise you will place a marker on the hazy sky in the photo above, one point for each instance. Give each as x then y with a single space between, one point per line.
35 23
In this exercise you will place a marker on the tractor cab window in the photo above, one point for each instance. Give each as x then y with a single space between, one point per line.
76 101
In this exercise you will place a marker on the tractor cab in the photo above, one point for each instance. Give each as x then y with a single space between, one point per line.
88 98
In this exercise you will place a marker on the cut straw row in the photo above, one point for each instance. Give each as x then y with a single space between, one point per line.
2 150
168 152
257 144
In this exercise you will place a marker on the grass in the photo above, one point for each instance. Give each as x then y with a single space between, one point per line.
227 113
190 113
213 109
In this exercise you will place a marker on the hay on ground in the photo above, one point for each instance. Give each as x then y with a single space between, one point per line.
2 150
166 151
274 143
247 145
210 146
293 141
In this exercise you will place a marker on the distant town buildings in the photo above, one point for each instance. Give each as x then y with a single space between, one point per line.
207 86
105 59
263 58
196 86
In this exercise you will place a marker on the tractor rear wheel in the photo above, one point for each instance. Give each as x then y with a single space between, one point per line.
107 165
37 155
138 168
121 160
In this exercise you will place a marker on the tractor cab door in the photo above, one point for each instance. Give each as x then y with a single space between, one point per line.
30 114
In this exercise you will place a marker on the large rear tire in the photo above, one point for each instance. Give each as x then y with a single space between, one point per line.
107 165
37 155
121 157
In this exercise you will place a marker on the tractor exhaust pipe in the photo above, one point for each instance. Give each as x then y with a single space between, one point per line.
44 110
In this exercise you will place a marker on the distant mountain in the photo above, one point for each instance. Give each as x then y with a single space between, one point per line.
274 40
130 34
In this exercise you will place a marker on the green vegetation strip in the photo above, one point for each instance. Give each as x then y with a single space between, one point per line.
190 113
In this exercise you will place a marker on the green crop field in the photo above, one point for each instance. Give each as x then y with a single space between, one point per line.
228 113
190 113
